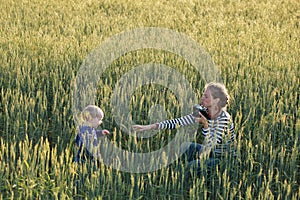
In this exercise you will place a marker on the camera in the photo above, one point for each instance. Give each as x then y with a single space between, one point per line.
199 108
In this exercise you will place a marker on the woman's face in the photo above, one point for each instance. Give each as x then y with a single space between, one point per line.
207 99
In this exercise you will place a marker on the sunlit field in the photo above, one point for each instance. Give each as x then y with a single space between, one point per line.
254 44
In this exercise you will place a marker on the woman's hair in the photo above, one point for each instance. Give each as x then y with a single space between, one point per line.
218 90
91 112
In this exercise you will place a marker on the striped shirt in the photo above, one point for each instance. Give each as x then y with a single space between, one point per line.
219 136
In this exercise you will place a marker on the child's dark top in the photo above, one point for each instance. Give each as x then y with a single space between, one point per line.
79 139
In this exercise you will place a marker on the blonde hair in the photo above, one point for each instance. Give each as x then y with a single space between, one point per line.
218 90
91 112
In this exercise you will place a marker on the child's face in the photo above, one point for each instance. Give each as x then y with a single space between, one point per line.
95 122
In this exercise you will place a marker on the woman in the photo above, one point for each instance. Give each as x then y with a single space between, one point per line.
217 129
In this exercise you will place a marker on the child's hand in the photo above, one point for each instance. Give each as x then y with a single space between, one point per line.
105 132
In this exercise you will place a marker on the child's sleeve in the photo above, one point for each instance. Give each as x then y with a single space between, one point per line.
78 139
79 142
99 133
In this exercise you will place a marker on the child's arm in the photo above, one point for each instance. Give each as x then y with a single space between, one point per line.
102 132
105 132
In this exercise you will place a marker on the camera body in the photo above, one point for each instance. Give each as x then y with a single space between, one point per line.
199 108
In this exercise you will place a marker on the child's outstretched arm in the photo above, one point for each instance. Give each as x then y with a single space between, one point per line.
102 132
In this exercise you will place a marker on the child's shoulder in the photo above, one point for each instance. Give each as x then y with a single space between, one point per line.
83 129
89 130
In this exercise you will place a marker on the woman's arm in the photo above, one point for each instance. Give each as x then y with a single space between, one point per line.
139 128
177 122
167 124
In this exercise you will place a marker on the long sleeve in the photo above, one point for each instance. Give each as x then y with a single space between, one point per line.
219 135
177 122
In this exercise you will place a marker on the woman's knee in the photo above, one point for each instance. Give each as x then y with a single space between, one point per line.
184 147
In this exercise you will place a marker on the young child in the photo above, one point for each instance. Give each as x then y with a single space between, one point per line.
92 117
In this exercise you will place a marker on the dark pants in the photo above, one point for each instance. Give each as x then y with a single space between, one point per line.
197 165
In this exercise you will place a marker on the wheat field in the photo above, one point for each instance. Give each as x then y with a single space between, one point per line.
43 44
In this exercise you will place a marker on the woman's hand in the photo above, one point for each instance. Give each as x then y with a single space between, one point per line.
139 128
202 120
